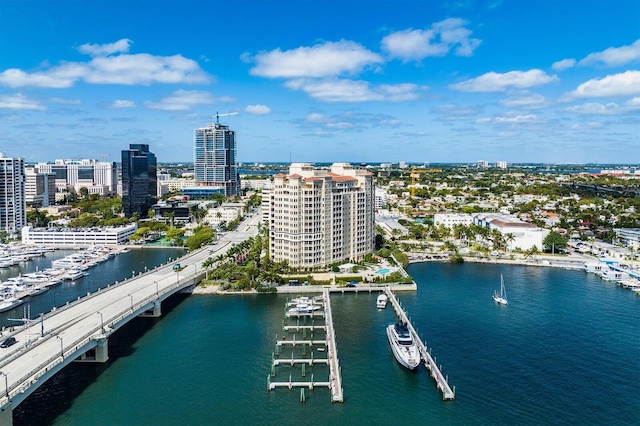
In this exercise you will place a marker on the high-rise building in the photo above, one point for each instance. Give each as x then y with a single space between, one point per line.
13 207
139 180
97 177
40 188
319 217
215 158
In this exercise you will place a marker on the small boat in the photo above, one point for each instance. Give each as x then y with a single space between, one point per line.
501 298
36 290
381 302
321 349
302 309
403 346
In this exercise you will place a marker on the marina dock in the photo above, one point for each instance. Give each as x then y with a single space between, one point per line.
328 344
429 363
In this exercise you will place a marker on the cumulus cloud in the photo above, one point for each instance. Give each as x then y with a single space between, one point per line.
442 38
497 82
563 64
120 46
257 109
339 90
20 102
623 84
124 69
182 100
347 121
322 60
611 108
614 56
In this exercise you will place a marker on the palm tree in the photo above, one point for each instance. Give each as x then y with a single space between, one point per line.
510 238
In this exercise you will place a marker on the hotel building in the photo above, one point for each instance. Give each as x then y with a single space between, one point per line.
320 217
13 207
40 188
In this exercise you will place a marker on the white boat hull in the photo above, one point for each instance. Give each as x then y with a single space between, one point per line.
407 355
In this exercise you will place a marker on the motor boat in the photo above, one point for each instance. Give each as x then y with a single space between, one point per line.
381 302
402 345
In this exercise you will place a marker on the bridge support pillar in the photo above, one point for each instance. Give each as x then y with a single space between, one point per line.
6 414
153 312
98 354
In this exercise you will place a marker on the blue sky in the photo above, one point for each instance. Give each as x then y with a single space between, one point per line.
320 81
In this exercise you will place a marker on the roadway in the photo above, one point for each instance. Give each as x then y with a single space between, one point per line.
49 343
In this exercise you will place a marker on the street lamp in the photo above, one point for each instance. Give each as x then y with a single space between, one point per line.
131 301
157 292
101 321
61 347
6 384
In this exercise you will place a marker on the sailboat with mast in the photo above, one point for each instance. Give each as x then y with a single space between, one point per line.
501 298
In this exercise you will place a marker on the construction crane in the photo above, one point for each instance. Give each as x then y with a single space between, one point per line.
223 115
416 173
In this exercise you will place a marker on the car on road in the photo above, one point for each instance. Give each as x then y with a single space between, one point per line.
8 342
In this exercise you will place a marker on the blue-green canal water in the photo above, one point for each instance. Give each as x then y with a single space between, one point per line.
565 351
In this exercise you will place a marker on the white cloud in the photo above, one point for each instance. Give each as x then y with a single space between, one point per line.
439 40
526 100
120 46
322 60
339 90
614 56
611 108
122 103
182 100
563 64
510 118
496 82
257 109
21 102
125 69
623 84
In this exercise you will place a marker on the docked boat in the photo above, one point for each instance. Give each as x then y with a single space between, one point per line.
501 298
303 306
9 302
381 302
74 274
37 290
35 278
402 345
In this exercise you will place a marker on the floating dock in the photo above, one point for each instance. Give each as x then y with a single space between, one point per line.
329 345
429 363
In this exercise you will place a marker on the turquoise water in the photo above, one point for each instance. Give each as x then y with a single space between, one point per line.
564 351
382 271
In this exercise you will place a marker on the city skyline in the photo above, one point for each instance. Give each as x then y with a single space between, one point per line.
329 81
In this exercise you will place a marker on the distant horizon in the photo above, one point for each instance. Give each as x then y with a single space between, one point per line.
520 81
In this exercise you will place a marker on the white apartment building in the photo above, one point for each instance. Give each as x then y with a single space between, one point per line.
319 217
525 235
225 213
629 237
450 220
40 188
13 206
78 237
381 198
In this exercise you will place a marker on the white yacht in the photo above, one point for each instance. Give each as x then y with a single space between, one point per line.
381 302
303 306
9 302
403 346
74 274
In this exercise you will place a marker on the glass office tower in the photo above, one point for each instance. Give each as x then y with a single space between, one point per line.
139 180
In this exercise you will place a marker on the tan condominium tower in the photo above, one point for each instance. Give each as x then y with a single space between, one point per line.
318 217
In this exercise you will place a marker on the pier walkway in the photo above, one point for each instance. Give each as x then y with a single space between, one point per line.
329 344
429 363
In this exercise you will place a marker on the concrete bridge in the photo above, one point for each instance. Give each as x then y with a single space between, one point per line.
79 331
